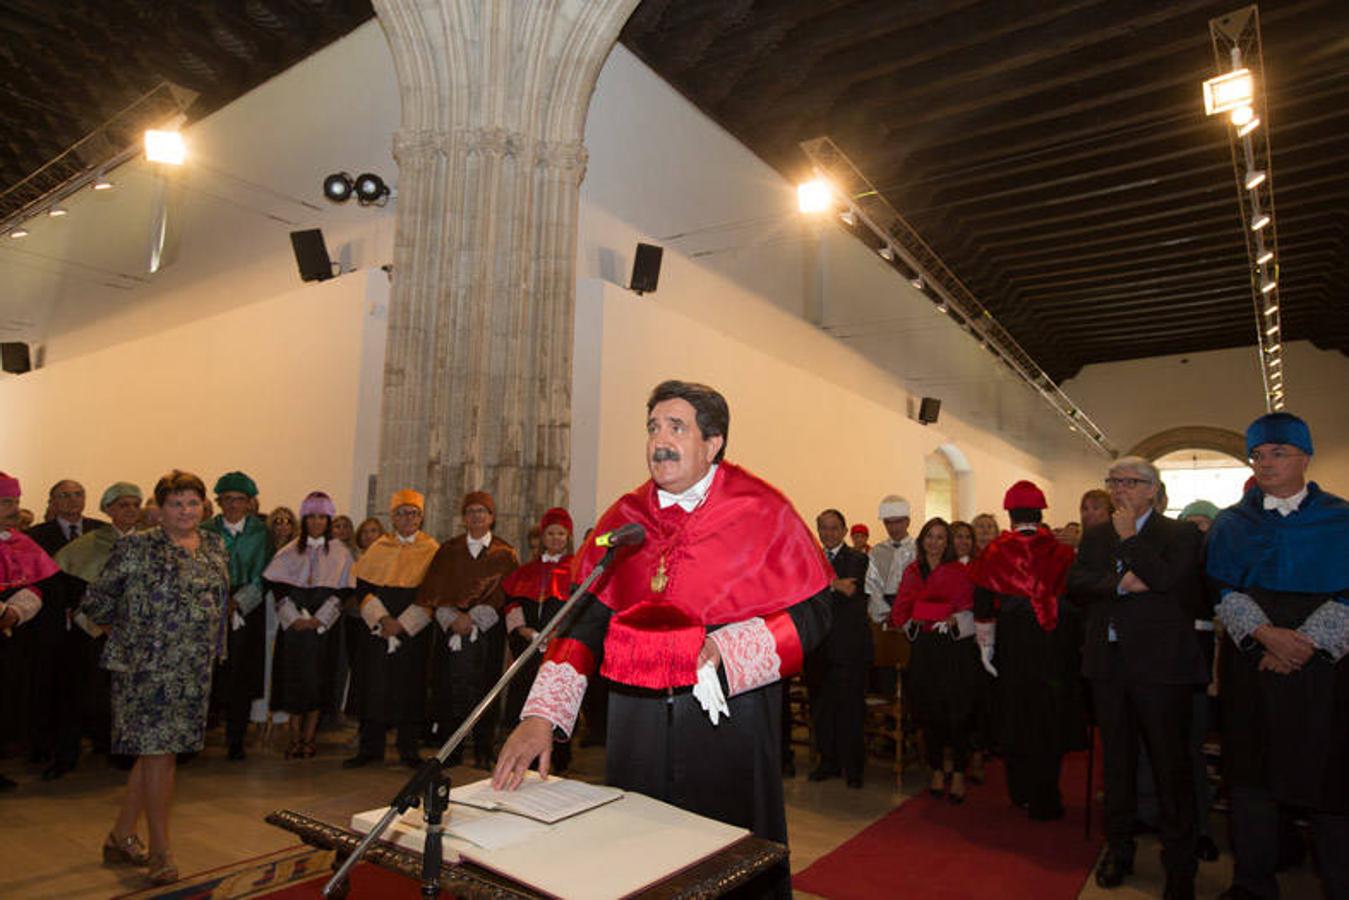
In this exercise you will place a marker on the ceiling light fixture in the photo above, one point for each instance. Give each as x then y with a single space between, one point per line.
887 253
1272 349
916 282
1241 115
848 217
1254 179
1259 220
1276 362
56 212
371 189
101 183
19 232
1268 285
814 196
1264 257
165 147
1272 330
1250 126
941 308
338 187
1271 309
1229 91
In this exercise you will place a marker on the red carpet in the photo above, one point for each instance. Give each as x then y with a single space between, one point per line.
294 873
984 848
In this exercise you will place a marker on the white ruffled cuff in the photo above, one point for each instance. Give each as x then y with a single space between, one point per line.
484 616
372 611
414 619
286 613
556 695
749 655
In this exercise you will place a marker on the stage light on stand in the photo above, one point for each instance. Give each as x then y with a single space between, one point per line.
165 147
338 187
814 196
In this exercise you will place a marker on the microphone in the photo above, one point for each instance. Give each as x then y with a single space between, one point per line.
629 535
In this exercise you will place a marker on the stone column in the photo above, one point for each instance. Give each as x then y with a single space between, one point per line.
477 382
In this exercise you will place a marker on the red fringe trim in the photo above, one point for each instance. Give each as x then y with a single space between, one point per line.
653 659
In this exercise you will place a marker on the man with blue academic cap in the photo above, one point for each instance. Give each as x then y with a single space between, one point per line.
1280 560
241 676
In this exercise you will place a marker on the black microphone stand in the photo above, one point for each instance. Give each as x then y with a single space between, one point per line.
430 785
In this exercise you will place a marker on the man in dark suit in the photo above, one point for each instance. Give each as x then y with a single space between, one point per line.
837 671
58 650
1139 578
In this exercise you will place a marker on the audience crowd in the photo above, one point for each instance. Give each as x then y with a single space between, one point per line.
140 632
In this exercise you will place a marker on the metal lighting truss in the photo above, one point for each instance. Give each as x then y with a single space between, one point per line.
903 249
1236 45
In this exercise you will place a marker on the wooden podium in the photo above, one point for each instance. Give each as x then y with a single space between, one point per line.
712 876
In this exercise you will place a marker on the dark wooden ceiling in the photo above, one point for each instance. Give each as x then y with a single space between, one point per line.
1054 154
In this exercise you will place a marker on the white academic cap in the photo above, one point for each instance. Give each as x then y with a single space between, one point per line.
894 506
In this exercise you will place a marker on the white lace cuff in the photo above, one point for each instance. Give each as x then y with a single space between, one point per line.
1240 615
515 618
1328 627
328 613
372 610
445 615
25 602
556 695
414 619
484 616
749 655
286 613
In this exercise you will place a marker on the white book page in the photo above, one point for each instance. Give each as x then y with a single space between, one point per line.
545 801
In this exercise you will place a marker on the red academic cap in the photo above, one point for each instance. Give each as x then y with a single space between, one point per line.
1024 495
556 516
859 528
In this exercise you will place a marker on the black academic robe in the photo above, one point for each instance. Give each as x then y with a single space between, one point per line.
393 685
836 673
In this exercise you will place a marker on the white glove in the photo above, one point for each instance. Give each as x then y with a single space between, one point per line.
708 693
941 627
911 630
456 641
394 644
236 621
877 609
985 635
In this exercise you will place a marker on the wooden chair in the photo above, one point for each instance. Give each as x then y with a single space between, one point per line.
885 725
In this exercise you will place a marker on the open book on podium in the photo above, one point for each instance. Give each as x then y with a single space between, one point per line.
565 838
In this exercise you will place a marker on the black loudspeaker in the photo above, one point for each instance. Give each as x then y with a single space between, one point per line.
646 268
311 255
928 410
14 357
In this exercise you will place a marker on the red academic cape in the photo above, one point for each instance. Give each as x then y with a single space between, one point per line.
1034 566
744 553
23 563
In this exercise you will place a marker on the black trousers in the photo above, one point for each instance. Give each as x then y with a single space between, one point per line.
838 712
1255 844
1159 715
1033 781
374 734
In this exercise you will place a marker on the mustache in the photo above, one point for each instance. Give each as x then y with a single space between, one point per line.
665 454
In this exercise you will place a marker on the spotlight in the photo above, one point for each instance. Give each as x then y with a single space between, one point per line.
19 232
886 253
917 282
1278 361
1250 126
1272 330
1272 349
814 196
1259 220
56 212
849 217
338 187
1264 257
1271 309
165 147
1229 91
101 183
1254 179
1278 406
941 308
370 188
1241 115
1268 285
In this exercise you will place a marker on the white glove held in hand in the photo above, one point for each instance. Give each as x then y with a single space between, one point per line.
985 634
708 693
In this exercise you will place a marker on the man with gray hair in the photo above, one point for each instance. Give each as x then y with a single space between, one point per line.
1139 578
889 558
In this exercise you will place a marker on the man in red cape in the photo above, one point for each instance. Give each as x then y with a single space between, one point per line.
1020 580
695 628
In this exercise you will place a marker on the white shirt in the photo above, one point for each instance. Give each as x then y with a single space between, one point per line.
551 557
314 543
235 528
690 499
477 545
1286 505
889 559
405 539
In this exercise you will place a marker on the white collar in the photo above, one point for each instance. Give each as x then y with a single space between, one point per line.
1286 506
477 545
5 534
313 542
1142 520
690 499
551 557
121 534
234 528
405 540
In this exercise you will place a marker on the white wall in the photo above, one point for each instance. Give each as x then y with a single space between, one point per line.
1136 399
261 387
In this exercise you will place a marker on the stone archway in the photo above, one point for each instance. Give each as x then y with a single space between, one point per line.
1202 437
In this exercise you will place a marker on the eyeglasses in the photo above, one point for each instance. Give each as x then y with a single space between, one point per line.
1131 483
68 495
1278 453
406 513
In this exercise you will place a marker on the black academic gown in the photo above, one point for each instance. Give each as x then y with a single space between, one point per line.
836 673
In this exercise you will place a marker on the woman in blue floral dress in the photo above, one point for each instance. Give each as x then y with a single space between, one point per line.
162 595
